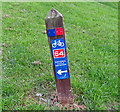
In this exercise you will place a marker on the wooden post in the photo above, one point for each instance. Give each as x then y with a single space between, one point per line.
57 45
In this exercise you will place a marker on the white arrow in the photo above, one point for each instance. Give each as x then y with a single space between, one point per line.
60 72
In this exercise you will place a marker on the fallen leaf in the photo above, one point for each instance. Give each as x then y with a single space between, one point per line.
59 105
53 95
108 109
9 28
83 107
28 97
4 44
36 62
76 106
66 106
43 99
16 4
44 32
68 42
66 29
101 5
23 10
7 58
38 94
6 15
94 11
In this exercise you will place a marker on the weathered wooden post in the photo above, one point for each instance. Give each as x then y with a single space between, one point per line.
56 39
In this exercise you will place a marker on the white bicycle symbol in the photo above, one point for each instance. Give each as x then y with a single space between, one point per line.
54 45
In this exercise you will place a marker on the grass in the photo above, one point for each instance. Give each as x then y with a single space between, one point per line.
92 46
0 57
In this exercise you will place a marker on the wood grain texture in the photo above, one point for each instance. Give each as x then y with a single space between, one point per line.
53 20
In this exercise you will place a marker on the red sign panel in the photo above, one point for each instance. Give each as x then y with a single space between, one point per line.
58 53
59 31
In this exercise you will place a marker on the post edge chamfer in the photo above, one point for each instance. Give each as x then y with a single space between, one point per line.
63 86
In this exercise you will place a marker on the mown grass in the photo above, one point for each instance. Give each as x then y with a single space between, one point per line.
0 57
92 46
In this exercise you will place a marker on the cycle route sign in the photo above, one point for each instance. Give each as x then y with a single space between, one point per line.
59 58
56 39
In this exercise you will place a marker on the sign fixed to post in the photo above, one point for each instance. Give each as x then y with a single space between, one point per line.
60 59
56 40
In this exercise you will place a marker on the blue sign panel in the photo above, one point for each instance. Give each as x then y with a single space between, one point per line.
59 58
51 32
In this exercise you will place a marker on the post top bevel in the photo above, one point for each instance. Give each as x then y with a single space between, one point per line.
53 14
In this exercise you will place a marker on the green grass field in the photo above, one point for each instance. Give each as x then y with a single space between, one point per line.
92 46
